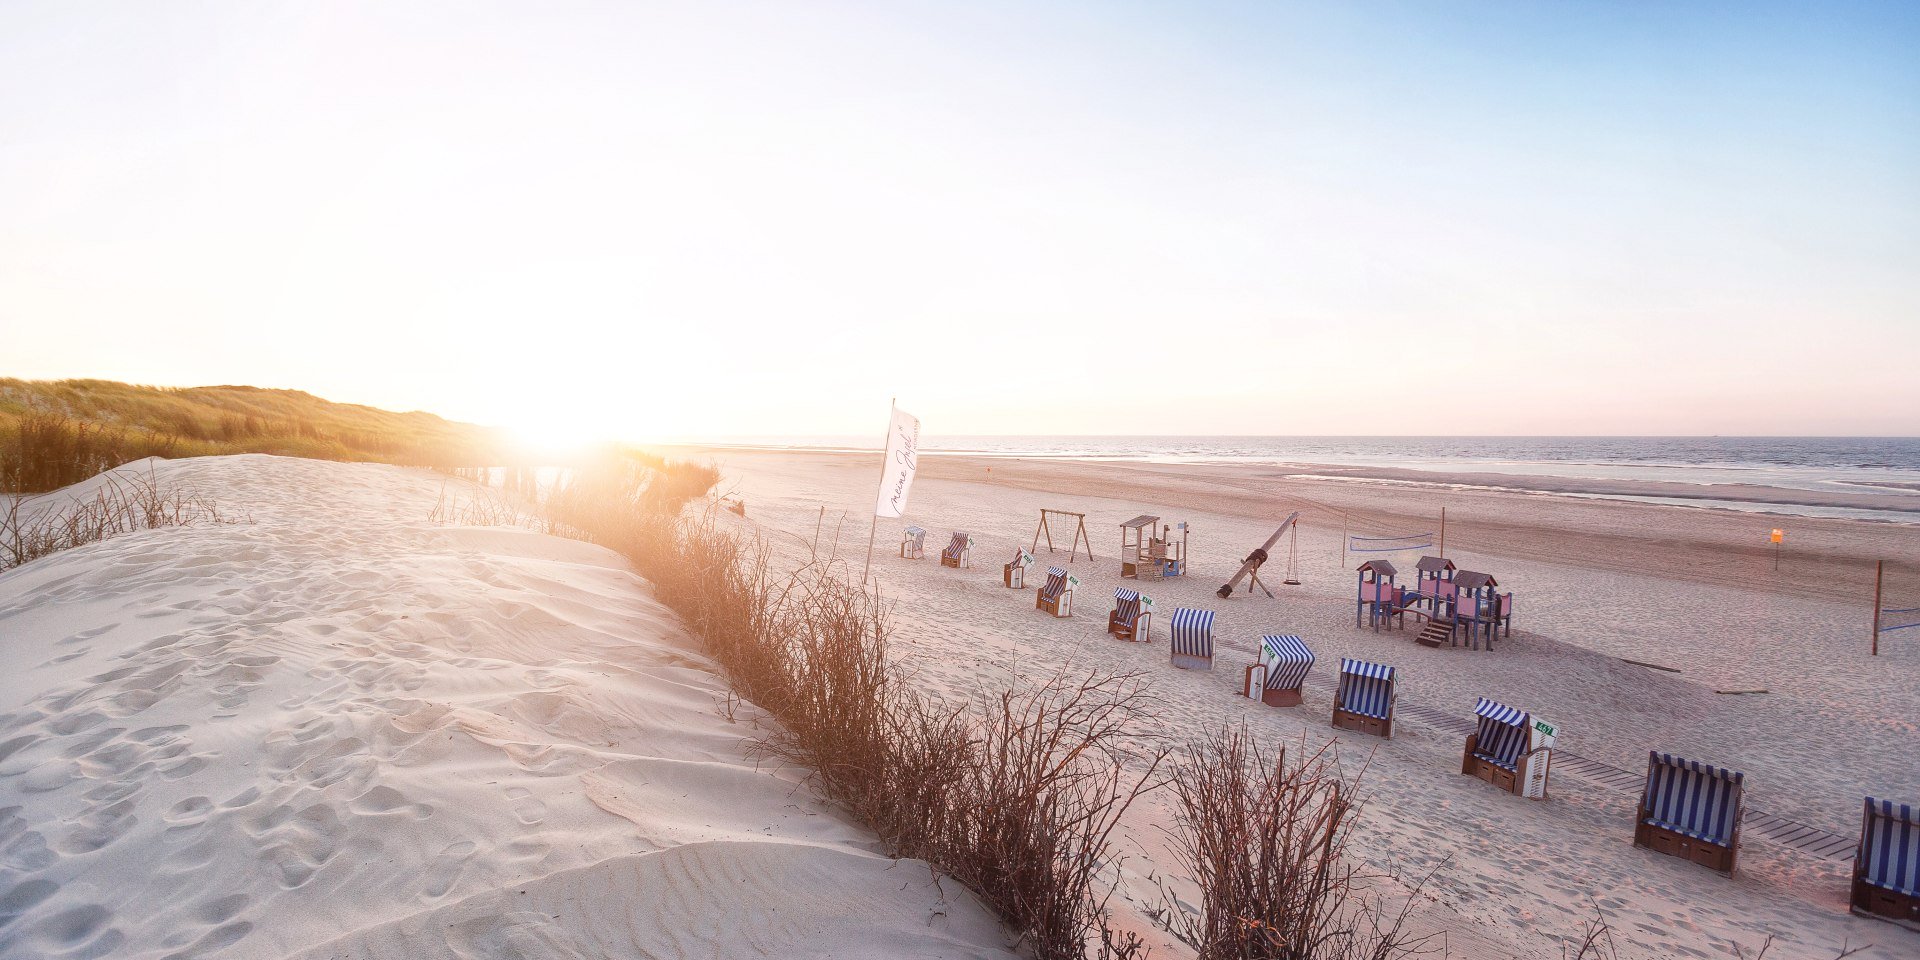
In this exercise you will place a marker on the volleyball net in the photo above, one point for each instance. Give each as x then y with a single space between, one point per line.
1412 541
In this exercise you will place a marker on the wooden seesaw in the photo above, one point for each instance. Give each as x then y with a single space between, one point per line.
1250 568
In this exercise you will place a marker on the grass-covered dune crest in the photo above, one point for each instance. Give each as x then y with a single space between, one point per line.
56 432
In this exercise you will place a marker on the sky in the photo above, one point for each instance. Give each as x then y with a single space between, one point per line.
703 220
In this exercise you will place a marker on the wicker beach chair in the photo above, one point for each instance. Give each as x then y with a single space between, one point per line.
959 552
1014 574
1364 700
913 544
1886 867
1056 595
1284 664
1692 811
1130 620
1191 631
1497 751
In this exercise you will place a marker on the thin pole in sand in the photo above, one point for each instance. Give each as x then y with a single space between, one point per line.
879 488
1443 533
1343 541
817 521
1879 567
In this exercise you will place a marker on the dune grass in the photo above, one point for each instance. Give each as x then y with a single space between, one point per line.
53 433
123 502
1016 795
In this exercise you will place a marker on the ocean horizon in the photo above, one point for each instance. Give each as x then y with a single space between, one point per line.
1856 467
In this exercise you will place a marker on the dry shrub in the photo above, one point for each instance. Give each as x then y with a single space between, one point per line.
121 503
1016 796
1265 839
480 507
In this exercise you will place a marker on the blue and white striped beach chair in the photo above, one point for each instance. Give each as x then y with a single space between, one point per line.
1130 620
1692 811
1056 595
1284 664
959 553
913 544
1886 867
1191 631
1497 751
1364 699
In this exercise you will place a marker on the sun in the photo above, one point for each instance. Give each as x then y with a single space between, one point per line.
555 438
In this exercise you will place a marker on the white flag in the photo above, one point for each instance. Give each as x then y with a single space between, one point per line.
896 472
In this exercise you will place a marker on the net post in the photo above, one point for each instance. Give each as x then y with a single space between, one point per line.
1879 568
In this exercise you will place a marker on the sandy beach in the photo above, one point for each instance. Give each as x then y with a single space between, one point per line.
338 730
1598 583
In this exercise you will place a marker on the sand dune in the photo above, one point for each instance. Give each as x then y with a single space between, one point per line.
340 731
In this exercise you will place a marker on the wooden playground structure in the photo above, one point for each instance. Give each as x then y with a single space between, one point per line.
1079 533
1144 556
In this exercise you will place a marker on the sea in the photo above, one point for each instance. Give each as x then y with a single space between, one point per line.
1878 478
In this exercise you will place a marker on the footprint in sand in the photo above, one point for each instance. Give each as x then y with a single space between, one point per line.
23 897
446 869
196 936
49 775
190 811
213 940
519 934
190 859
302 845
386 801
83 931
27 852
527 808
98 828
15 745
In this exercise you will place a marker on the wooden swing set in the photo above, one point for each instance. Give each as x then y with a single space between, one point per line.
1079 533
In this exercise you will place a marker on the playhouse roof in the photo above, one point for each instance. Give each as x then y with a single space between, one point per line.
1471 580
1433 564
1142 520
1380 567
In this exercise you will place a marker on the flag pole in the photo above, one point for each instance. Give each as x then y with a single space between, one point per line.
874 527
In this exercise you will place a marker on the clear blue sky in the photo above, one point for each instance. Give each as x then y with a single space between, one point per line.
1106 218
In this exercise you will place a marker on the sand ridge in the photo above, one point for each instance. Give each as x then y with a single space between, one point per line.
341 731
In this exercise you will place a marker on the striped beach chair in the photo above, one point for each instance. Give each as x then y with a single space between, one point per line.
1284 664
1691 810
1497 751
1192 633
1014 574
959 553
1131 619
1056 595
913 544
1886 867
1364 700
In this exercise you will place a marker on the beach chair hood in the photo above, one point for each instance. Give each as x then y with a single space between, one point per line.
1191 631
1693 799
1056 583
1366 687
1502 736
1890 847
1287 660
